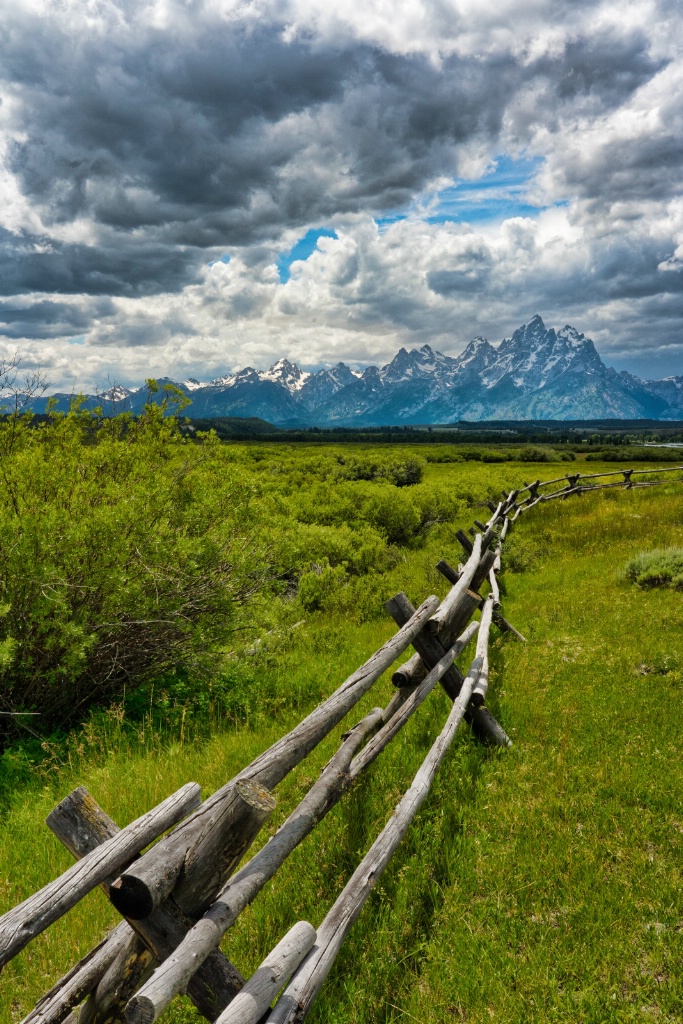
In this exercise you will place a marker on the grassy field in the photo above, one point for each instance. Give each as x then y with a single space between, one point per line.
537 884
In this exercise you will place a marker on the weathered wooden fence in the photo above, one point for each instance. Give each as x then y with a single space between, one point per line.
180 898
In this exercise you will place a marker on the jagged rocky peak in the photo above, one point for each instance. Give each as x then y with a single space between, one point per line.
289 374
406 365
248 374
323 385
572 336
478 355
339 374
117 393
537 373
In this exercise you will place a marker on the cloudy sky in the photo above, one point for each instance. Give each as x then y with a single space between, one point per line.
192 187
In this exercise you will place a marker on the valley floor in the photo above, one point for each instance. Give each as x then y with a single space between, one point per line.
537 884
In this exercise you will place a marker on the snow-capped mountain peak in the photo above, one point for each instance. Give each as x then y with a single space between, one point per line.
537 373
286 373
117 393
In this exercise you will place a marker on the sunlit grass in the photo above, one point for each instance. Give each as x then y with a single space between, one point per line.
541 883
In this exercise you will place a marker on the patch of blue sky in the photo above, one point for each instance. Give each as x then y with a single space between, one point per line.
301 250
225 258
499 194
78 339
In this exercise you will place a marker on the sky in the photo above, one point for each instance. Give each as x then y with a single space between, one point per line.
192 187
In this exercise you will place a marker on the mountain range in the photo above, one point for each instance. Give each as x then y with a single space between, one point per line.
537 373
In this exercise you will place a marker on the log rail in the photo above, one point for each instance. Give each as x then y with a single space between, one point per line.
180 898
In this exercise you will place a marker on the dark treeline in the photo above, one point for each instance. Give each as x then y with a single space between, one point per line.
572 432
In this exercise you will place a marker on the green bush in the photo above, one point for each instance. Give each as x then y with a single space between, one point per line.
534 454
402 470
125 551
318 589
628 455
441 455
662 567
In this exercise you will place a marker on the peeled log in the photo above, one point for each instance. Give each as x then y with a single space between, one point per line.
171 977
483 723
254 1000
449 605
56 1005
195 862
427 646
482 653
296 1000
38 912
217 981
148 883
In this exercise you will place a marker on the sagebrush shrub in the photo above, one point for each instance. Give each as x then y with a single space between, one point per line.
662 567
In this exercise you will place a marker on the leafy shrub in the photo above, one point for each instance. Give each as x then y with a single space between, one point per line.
437 503
318 588
125 550
662 567
491 455
440 455
627 455
402 470
360 550
534 454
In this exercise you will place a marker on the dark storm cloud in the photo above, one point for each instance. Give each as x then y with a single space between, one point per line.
177 131
209 135
180 138
47 319
37 264
603 69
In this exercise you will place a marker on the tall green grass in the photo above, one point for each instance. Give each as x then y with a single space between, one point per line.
537 884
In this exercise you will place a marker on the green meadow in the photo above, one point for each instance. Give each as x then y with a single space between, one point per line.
541 883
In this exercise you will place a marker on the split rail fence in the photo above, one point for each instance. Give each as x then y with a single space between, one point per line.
180 898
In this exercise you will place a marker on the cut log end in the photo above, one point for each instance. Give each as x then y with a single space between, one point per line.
131 897
256 795
140 1010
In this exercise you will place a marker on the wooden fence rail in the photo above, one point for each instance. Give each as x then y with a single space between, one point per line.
181 897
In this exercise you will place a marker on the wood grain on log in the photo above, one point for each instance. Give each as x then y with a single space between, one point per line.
417 695
411 673
674 469
155 876
449 604
465 541
504 626
483 569
211 989
296 1000
483 723
495 590
276 762
250 1004
415 670
497 510
56 1005
173 975
131 968
427 646
482 652
34 915
196 860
